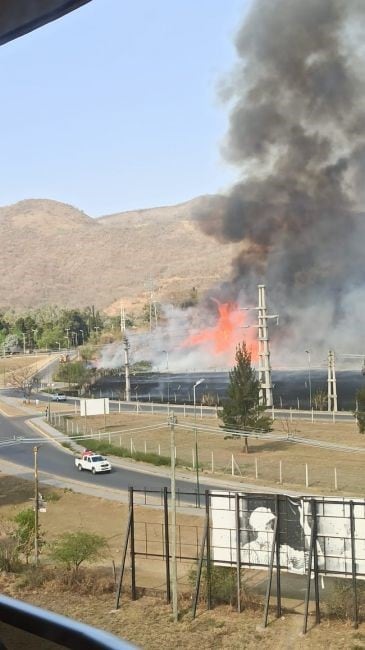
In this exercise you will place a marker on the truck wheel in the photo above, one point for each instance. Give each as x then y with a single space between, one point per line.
93 470
79 467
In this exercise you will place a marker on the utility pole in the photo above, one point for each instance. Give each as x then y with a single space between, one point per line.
332 385
36 505
150 285
126 354
173 521
68 337
264 369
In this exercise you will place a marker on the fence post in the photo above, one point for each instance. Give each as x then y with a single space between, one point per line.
306 476
353 565
291 415
312 415
232 465
118 406
184 411
120 441
238 551
133 556
201 411
280 472
193 456
145 450
167 545
333 416
110 440
256 468
159 449
212 453
336 485
273 413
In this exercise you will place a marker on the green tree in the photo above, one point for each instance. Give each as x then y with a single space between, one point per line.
360 410
241 409
25 533
74 372
72 549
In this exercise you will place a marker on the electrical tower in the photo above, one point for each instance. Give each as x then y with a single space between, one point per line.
264 367
126 346
332 385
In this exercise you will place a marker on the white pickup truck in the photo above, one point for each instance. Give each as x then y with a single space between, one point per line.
95 463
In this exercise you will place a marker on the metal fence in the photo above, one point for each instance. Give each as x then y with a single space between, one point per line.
310 537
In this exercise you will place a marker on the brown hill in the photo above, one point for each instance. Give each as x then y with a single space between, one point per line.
53 253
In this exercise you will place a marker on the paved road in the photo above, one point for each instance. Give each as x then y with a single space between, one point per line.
55 461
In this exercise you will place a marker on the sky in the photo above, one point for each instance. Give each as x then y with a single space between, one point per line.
116 106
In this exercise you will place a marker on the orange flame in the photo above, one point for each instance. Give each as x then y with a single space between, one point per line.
222 339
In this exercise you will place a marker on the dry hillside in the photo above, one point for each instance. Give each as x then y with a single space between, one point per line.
53 253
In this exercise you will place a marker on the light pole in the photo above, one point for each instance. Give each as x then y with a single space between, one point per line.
200 381
308 352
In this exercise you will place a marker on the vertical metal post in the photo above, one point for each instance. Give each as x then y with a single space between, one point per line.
124 555
309 574
36 505
167 544
199 570
238 551
133 557
353 568
315 558
209 581
173 521
271 567
277 547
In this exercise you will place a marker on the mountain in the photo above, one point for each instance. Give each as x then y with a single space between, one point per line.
53 253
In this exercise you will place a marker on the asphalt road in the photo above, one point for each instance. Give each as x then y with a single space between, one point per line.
53 460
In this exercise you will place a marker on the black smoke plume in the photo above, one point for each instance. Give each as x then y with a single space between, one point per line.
297 133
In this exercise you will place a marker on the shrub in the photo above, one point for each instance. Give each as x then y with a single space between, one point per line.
338 598
105 448
224 586
9 555
25 533
72 549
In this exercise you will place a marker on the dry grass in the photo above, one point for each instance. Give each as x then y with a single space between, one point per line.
148 622
11 364
132 431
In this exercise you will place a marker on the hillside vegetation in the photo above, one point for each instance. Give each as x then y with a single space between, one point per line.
53 253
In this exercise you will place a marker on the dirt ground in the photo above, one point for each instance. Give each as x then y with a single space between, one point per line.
147 622
217 453
10 364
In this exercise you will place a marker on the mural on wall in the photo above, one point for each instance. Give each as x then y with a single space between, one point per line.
252 530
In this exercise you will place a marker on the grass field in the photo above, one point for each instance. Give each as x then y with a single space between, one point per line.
147 622
10 364
270 462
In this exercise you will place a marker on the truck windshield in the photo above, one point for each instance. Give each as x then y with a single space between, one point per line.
97 459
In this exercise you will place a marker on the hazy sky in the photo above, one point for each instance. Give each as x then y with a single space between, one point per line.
115 106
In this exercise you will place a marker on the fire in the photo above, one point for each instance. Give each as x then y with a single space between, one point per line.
222 338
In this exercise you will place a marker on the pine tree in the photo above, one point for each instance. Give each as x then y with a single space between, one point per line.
241 409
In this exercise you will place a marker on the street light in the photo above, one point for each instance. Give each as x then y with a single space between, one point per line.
200 381
308 352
